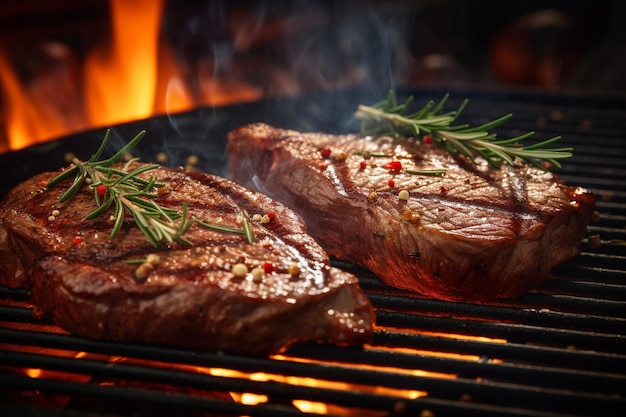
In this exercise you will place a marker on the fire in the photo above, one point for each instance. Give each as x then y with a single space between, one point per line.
121 75
256 398
27 119
307 406
131 74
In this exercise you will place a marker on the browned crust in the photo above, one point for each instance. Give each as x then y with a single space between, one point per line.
482 233
191 298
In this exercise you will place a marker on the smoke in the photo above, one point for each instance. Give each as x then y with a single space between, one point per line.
287 48
299 64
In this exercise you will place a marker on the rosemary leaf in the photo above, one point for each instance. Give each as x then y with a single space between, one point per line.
67 174
119 218
102 146
433 172
101 209
221 228
247 230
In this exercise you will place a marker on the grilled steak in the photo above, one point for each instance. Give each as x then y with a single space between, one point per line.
476 233
192 295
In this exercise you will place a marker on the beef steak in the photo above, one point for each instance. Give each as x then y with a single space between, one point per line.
475 233
192 295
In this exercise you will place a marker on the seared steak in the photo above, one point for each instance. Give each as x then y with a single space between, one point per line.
476 233
189 295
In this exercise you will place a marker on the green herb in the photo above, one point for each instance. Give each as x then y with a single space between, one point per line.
135 261
368 155
246 231
127 193
389 117
434 172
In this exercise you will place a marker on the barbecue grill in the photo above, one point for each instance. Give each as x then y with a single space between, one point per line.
557 351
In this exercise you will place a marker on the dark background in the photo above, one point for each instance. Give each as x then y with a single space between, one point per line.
395 41
291 48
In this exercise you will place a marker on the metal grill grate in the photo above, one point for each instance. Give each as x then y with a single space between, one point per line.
559 351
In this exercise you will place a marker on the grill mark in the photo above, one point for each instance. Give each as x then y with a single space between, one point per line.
341 176
520 209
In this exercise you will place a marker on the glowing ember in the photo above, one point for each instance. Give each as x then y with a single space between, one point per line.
248 398
310 407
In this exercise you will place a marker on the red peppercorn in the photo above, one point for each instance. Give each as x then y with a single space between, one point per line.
101 190
362 165
395 166
428 140
325 152
268 268
322 166
391 183
78 240
271 215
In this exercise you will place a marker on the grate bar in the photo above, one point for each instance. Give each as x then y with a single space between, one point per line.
517 333
498 393
180 402
525 313
522 353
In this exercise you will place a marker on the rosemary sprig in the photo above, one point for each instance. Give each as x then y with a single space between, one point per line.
389 117
129 194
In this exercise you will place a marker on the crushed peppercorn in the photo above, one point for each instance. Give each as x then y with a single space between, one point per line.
294 270
101 190
268 267
409 216
395 166
339 155
143 270
240 270
153 259
257 274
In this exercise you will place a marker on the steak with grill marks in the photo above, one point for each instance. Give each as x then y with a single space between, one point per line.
475 233
192 296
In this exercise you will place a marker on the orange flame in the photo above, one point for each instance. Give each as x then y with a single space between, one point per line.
120 76
132 74
27 118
